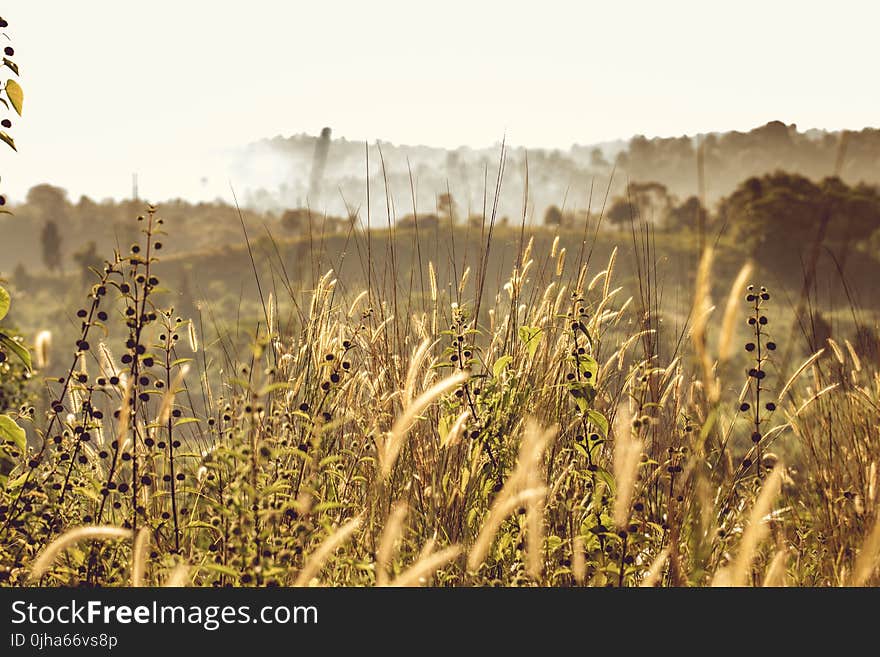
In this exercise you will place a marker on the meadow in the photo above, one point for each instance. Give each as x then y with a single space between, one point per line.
490 405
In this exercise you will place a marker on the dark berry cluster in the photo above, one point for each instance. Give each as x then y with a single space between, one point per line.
757 406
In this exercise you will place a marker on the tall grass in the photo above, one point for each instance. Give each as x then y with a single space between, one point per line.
548 430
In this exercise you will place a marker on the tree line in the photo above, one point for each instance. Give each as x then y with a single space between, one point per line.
765 214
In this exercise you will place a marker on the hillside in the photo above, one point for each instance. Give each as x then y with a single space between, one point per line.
554 176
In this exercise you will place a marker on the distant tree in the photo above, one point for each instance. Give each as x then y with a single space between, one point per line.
295 221
51 241
553 216
621 212
686 215
22 278
49 202
855 211
652 198
648 200
475 221
425 222
446 206
772 213
85 212
87 258
597 159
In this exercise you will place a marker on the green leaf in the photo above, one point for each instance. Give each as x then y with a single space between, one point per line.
10 431
553 543
16 348
5 302
589 367
443 427
500 365
15 94
199 524
17 482
582 390
88 492
599 421
8 140
530 336
220 568
11 64
608 478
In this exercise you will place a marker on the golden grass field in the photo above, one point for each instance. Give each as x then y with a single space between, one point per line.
550 430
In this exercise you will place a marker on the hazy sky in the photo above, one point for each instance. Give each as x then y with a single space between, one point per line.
166 87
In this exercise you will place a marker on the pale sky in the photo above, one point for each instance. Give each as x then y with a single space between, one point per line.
166 88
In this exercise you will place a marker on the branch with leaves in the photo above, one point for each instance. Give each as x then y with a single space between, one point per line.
12 437
11 96
13 442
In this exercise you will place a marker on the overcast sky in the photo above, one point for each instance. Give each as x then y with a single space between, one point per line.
166 87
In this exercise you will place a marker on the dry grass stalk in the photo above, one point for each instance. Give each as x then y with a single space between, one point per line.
42 349
47 557
578 560
528 474
139 556
179 576
124 414
168 397
775 575
560 262
319 557
193 337
501 508
655 572
390 447
609 271
701 310
456 430
627 454
388 540
416 362
425 567
869 556
857 362
737 574
872 483
800 370
731 313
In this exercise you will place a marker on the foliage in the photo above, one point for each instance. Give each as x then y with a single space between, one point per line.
354 443
783 208
12 99
12 436
15 365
